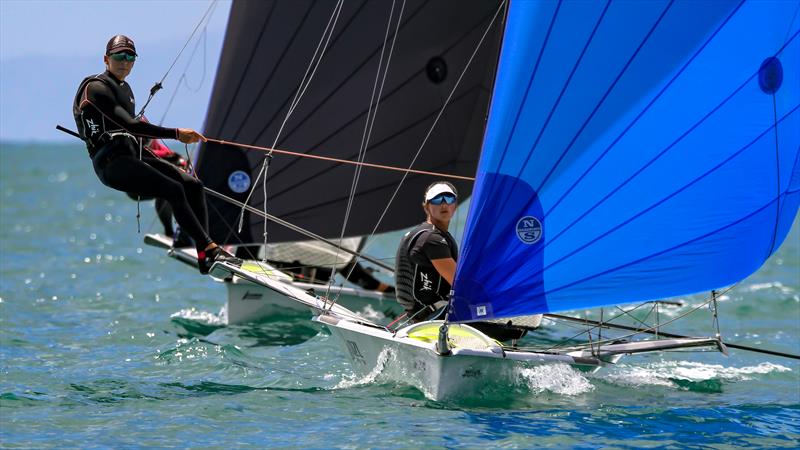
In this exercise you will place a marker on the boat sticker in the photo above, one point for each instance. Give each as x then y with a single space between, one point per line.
479 311
471 372
252 296
529 230
239 181
355 353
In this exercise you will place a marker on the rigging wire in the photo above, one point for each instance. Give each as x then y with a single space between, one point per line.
159 84
369 124
649 329
183 80
337 160
430 131
301 89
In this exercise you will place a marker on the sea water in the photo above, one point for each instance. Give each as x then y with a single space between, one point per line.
108 343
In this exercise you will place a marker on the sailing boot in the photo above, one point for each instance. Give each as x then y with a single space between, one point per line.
207 258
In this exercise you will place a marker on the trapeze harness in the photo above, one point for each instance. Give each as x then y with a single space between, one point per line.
418 283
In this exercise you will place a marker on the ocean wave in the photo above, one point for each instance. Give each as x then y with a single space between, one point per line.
687 374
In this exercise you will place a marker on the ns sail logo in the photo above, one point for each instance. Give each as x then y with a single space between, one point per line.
239 181
529 230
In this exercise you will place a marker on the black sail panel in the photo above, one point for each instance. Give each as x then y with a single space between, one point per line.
267 49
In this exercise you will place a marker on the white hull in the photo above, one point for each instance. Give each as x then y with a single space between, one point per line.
464 372
253 297
473 363
251 302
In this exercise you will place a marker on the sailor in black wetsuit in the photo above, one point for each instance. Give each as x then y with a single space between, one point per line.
104 113
425 265
426 258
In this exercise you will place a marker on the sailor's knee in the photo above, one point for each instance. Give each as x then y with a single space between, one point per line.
173 192
193 185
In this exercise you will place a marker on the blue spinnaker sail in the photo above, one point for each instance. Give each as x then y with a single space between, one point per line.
634 151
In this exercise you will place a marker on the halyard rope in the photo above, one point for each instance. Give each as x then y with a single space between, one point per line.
304 83
430 131
158 85
368 125
342 161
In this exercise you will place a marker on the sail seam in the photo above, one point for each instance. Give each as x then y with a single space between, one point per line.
653 206
646 108
567 82
249 61
278 62
375 145
388 95
652 160
777 177
767 205
656 157
524 100
366 61
605 96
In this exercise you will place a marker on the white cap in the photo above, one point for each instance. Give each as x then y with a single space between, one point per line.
436 189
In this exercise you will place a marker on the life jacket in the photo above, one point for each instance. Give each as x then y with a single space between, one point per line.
417 282
93 127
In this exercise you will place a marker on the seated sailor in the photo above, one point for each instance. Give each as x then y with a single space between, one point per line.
425 264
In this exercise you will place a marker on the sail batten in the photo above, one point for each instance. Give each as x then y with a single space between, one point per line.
643 162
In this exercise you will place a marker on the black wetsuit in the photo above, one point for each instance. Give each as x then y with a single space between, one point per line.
104 113
417 283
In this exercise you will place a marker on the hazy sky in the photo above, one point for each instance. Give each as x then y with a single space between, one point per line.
47 47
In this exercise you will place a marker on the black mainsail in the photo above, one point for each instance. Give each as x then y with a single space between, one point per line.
267 48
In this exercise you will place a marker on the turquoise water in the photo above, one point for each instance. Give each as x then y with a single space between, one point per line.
92 357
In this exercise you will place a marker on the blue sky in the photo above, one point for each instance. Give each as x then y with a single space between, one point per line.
47 47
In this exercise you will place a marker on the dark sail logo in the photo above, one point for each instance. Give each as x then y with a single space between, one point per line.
529 230
251 296
355 353
239 181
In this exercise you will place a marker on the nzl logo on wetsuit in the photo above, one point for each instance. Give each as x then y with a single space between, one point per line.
427 284
529 230
93 127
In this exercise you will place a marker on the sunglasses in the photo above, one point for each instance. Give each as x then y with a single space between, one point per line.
443 198
122 56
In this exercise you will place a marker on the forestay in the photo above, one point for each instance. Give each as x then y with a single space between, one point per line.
634 151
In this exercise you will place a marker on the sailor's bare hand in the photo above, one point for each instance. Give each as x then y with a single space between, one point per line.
189 136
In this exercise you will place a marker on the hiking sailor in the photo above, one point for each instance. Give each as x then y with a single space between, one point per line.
426 257
104 113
